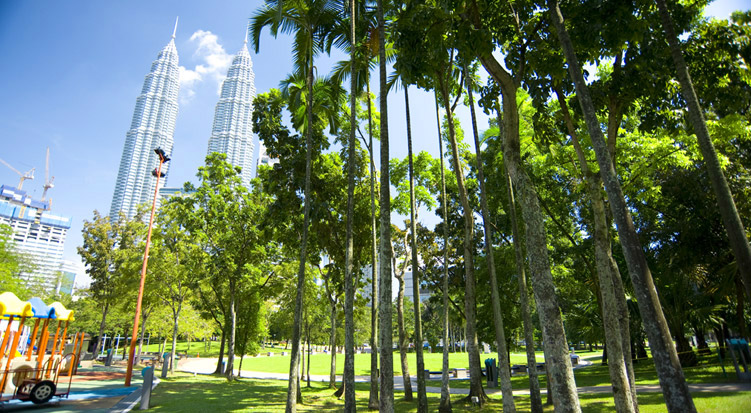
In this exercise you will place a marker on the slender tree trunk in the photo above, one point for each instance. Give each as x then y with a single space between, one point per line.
529 337
675 389
403 339
422 397
554 338
332 340
373 398
307 373
731 219
293 386
230 370
387 367
218 369
475 374
500 336
175 326
144 318
349 285
102 324
445 406
624 400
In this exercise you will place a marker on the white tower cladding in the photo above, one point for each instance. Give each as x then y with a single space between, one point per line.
153 126
232 132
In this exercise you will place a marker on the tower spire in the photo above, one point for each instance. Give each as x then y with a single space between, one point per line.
247 30
175 29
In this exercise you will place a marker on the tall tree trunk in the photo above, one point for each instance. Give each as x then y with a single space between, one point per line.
230 370
373 397
219 361
624 399
144 318
731 219
387 359
102 324
475 373
675 389
500 336
294 363
445 406
307 373
422 397
175 326
349 284
529 337
403 349
332 340
554 338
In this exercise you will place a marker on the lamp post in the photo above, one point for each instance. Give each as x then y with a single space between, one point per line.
158 174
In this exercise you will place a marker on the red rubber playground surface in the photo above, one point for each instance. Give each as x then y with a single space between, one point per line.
95 389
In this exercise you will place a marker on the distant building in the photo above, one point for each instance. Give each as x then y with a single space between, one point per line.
367 290
232 132
264 159
169 192
153 126
37 233
68 274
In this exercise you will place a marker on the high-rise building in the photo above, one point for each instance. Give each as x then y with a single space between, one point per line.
69 271
152 127
264 158
37 234
232 132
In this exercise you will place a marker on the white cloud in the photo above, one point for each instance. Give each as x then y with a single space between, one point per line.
213 67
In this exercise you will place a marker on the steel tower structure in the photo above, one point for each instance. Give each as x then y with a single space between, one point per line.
232 132
153 126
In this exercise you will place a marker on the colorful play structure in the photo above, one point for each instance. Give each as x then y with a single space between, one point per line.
32 359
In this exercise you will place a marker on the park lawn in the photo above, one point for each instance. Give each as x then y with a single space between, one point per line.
187 393
320 363
709 370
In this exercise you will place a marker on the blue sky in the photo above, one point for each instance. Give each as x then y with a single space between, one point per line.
71 72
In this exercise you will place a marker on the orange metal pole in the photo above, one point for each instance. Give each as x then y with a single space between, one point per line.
12 354
42 347
33 339
54 346
137 318
5 337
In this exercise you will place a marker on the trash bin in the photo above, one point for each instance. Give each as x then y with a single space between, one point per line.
491 372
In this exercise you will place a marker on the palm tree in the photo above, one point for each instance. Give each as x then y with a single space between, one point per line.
672 381
731 219
500 336
305 20
445 406
384 257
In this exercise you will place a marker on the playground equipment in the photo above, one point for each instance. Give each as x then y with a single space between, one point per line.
31 367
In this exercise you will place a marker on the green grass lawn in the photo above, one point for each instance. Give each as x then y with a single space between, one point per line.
186 393
708 370
320 363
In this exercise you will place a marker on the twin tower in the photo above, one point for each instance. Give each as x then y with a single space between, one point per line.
153 126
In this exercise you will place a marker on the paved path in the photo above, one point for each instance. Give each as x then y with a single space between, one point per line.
207 366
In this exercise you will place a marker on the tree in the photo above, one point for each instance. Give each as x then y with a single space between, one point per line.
12 263
105 249
305 20
677 396
733 225
222 218
384 254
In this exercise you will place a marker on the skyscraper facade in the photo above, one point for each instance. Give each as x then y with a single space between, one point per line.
232 132
38 234
153 126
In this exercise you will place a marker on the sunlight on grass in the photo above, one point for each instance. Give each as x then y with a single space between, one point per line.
186 393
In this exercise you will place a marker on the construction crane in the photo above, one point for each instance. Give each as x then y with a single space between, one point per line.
28 175
47 180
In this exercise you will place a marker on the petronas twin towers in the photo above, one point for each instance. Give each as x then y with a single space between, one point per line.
153 126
